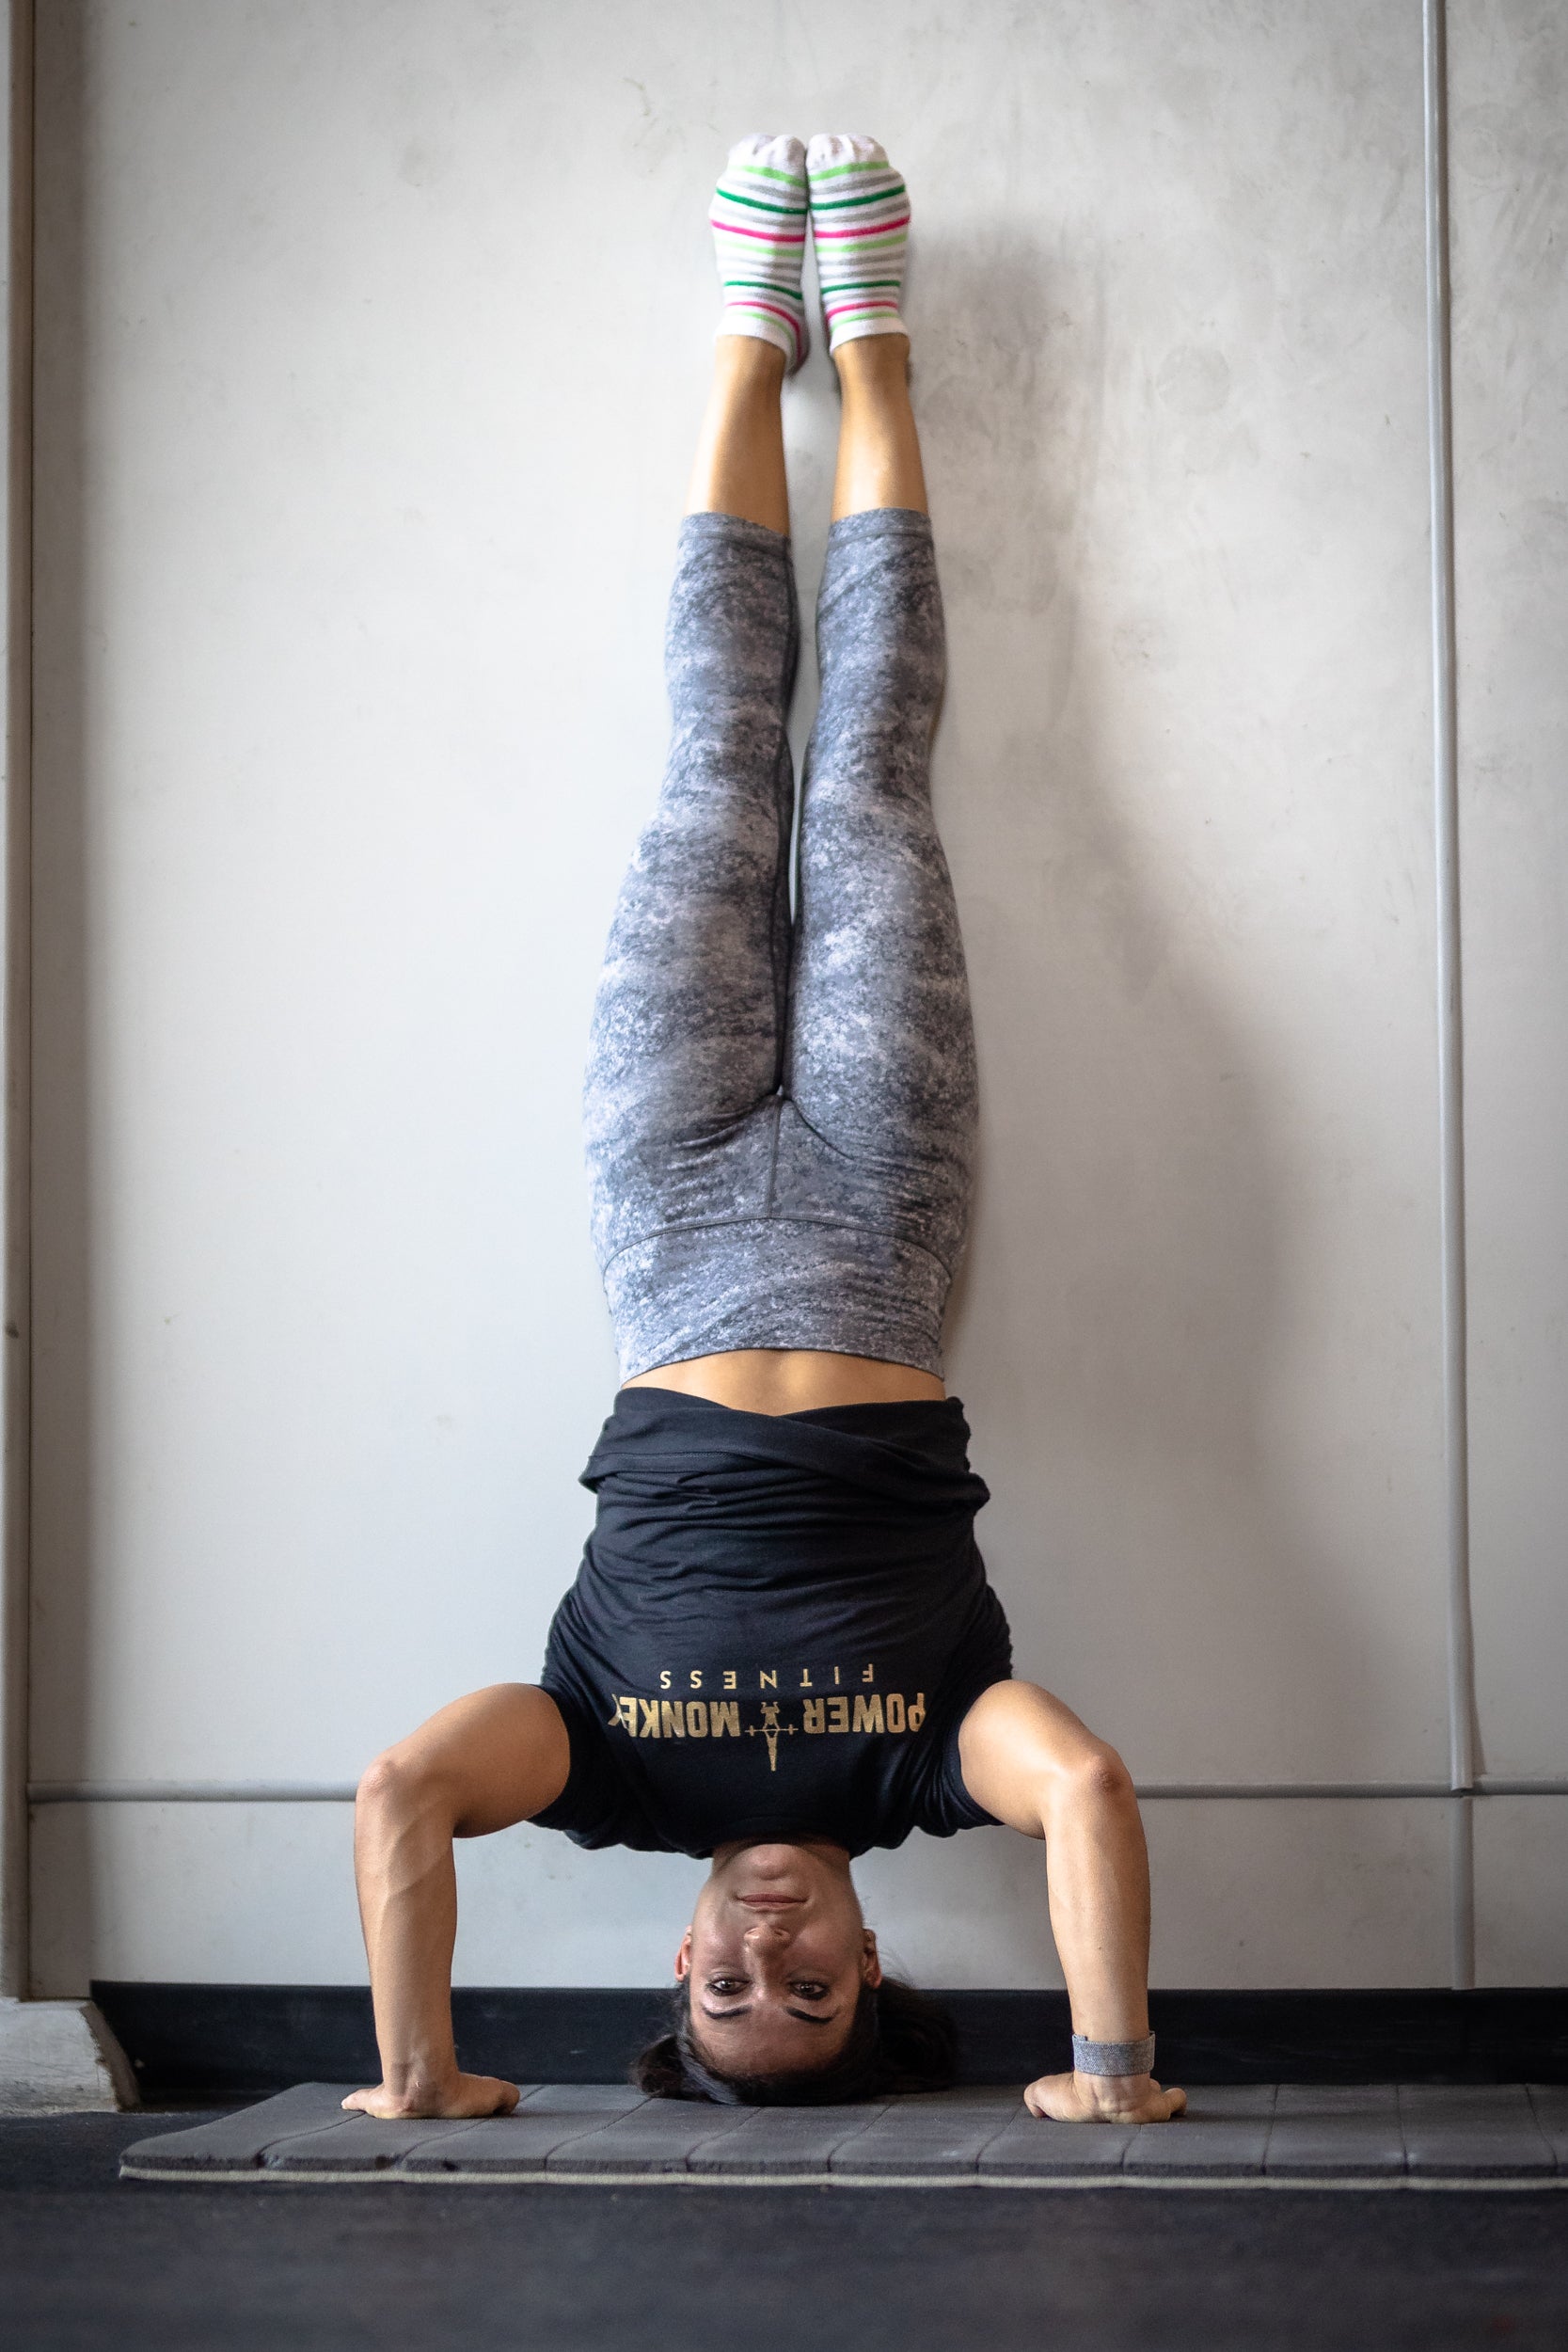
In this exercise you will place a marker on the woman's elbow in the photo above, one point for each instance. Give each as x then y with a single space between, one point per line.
1096 1780
395 1787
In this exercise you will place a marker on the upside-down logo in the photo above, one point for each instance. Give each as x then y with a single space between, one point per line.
879 1713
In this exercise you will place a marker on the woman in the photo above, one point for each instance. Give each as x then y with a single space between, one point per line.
781 1648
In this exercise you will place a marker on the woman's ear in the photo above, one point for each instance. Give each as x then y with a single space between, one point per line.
683 1959
871 1966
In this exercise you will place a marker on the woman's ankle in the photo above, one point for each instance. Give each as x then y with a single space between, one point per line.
746 361
874 364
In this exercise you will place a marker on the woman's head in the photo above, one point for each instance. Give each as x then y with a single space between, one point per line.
775 1960
780 1994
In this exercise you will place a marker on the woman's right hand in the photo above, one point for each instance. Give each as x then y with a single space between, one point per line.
461 2096
1103 2099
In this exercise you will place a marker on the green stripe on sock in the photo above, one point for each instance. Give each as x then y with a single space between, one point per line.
836 171
764 285
757 204
845 203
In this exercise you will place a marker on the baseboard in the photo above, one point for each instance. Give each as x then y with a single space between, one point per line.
237 2041
59 2057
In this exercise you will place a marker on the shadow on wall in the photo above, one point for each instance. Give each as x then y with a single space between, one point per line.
1119 1321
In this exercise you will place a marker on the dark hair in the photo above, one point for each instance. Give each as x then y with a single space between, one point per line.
900 2041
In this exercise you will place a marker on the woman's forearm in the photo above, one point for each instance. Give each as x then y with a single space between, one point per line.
1031 1762
403 1859
1097 1879
486 1761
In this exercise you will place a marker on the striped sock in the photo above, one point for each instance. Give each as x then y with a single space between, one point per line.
860 222
758 220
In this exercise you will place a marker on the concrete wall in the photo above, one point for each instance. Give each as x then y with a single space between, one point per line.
371 345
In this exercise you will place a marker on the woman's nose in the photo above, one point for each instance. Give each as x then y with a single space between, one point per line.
766 1931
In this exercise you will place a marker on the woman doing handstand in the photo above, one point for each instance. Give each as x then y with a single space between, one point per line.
781 1648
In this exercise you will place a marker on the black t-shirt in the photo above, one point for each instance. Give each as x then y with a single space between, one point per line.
778 1627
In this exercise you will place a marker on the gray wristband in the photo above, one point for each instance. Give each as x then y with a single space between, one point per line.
1113 2058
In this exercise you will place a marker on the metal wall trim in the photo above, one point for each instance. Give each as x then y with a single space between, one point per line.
1149 1793
1450 1060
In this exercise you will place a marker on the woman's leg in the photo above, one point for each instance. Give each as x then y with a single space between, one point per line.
880 1055
879 447
687 1020
739 466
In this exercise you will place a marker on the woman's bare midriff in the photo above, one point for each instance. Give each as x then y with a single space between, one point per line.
791 1381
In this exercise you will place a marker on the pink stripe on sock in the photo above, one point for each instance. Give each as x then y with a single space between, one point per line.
886 303
871 229
748 302
766 237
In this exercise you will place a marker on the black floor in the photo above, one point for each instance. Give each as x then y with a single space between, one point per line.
88 2260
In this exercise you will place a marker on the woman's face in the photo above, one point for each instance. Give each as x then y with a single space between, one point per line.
777 1953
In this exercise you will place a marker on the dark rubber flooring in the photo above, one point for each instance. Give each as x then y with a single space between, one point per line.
88 2260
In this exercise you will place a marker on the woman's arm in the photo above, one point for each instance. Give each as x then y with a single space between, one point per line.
489 1760
1029 1760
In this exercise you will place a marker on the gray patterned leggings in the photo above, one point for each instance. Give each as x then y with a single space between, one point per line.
780 1117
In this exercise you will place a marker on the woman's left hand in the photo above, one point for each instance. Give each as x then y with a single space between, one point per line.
1103 2099
462 2096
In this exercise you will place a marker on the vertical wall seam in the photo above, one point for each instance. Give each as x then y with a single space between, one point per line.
1450 1066
16 1176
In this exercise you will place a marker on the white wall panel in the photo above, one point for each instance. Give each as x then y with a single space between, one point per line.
372 348
1522 1890
1510 100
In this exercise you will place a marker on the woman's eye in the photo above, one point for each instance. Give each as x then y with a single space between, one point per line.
809 1992
724 1986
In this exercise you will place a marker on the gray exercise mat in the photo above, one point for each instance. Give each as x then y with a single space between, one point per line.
1252 2136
